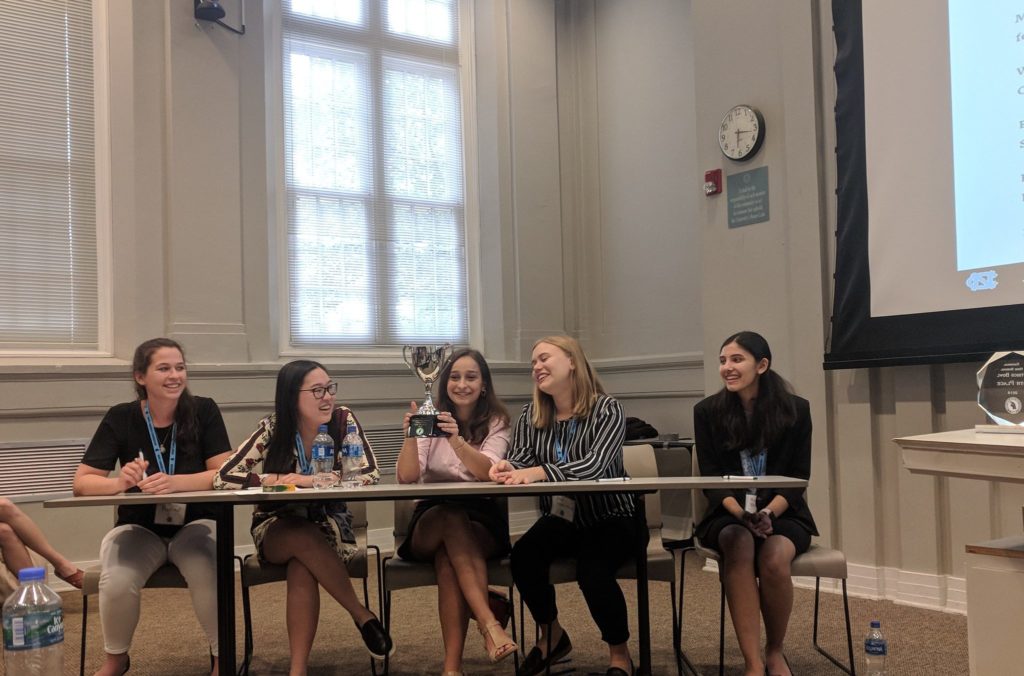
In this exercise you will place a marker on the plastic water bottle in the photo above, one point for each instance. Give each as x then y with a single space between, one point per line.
33 627
875 650
351 457
323 459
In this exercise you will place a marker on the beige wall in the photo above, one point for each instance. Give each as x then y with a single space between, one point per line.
592 122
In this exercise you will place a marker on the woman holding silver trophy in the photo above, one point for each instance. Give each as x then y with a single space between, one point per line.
458 535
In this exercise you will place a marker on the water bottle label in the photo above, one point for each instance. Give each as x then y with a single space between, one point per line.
34 630
875 646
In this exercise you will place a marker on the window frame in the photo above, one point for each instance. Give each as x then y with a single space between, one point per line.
278 195
102 186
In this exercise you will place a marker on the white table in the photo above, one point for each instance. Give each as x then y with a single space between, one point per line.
223 503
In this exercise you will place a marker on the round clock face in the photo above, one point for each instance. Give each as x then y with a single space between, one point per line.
741 133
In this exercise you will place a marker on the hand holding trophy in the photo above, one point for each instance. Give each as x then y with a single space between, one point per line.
427 362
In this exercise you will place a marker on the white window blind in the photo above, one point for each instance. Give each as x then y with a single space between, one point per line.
48 279
373 172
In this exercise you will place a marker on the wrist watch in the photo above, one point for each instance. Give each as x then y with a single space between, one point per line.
769 512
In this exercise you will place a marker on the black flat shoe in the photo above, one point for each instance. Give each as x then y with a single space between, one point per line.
619 671
376 638
536 663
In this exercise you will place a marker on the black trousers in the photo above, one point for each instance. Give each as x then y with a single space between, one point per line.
599 551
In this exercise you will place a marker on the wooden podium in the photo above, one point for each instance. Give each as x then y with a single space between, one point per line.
995 569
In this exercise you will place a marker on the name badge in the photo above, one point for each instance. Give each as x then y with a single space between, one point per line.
750 504
563 507
170 514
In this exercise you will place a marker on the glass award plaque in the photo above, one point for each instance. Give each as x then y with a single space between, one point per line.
1001 392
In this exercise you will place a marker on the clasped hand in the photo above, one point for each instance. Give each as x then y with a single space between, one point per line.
759 523
503 472
134 474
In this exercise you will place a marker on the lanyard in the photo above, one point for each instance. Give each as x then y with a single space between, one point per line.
560 453
754 465
305 466
157 448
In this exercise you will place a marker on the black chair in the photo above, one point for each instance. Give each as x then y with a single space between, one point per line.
401 574
255 573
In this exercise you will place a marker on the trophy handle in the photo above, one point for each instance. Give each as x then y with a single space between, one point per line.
405 355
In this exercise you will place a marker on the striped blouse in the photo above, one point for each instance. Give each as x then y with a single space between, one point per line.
575 450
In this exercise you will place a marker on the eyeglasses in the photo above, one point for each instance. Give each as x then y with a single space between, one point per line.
320 390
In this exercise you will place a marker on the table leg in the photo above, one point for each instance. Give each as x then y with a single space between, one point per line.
226 587
642 601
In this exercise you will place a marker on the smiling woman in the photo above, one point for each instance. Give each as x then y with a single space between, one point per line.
572 431
754 426
167 441
314 539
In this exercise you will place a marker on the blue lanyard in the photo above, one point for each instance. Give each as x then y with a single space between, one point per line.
157 449
560 453
305 466
754 465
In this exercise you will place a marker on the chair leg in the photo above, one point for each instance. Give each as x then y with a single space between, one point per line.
243 670
721 630
512 623
85 623
682 659
849 636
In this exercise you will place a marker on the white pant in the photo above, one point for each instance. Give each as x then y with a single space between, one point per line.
129 554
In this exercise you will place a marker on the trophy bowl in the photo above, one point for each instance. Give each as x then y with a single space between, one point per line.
427 362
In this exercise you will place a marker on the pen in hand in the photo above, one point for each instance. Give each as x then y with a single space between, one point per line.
142 460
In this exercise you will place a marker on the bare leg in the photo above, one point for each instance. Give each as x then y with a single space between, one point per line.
452 610
776 599
16 556
555 631
467 546
737 546
302 613
33 538
618 656
301 540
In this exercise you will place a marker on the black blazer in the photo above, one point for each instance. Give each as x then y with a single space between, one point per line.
790 456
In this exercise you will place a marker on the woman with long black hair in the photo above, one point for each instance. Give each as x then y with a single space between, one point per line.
754 426
313 539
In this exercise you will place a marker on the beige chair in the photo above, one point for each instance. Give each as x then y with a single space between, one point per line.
256 573
816 562
165 577
640 461
401 574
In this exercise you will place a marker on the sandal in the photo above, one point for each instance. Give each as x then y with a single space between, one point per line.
75 579
501 645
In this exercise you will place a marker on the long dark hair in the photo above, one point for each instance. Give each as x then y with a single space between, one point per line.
185 411
488 406
280 456
774 409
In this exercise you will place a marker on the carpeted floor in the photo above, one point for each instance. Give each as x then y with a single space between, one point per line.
169 642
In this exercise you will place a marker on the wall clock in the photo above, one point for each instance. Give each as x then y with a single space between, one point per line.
741 133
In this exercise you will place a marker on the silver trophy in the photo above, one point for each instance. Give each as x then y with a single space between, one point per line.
427 362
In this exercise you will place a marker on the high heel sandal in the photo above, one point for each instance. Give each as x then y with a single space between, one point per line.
501 645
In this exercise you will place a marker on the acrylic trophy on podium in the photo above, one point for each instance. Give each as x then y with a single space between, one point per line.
427 362
1001 392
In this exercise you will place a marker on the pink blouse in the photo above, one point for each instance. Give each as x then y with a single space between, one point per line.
438 461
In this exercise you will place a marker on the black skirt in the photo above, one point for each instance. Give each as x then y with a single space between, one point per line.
484 511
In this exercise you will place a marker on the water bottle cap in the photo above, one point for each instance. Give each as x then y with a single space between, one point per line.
351 427
875 624
31 574
321 429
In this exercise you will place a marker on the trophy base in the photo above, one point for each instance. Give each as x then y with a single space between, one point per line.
423 425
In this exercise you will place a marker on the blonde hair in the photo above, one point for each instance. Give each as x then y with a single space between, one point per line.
586 386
